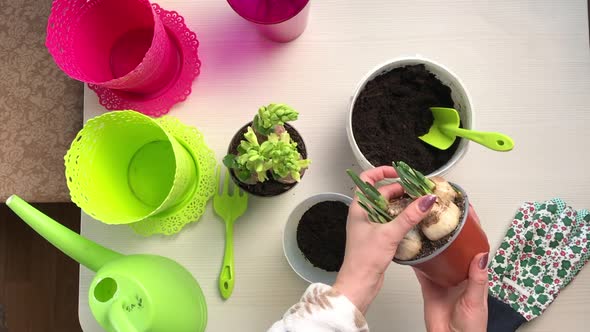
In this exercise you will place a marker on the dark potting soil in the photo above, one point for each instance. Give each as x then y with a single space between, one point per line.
321 234
270 187
428 247
391 112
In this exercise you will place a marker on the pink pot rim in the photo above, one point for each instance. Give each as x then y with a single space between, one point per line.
267 23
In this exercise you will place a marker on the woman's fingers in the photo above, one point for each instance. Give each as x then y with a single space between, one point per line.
378 173
423 280
476 292
430 290
381 173
391 191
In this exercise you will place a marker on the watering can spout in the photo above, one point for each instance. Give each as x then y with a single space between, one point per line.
82 250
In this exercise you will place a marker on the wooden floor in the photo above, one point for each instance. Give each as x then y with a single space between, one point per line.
38 284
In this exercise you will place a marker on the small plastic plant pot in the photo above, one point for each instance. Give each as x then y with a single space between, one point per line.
270 187
280 21
123 167
449 265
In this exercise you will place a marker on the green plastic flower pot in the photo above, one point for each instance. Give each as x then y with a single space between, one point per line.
123 167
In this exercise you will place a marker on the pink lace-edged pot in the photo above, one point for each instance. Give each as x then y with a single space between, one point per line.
133 54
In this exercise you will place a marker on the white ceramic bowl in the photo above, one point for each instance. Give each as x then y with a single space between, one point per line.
458 93
294 256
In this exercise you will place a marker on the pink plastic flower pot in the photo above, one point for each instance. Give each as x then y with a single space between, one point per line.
116 44
278 20
133 54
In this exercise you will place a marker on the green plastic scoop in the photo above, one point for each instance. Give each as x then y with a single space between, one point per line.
445 129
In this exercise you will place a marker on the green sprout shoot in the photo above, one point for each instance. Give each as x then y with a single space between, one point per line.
415 183
371 199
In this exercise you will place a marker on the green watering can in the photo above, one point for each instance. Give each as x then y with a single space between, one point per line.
129 293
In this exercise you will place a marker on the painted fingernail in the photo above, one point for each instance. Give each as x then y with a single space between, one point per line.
483 262
427 202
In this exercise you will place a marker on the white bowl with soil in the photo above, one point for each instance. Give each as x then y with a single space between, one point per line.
314 237
390 109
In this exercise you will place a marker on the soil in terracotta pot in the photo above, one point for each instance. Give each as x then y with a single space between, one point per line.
391 112
270 187
428 247
321 234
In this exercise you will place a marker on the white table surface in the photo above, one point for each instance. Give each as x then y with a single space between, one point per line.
525 63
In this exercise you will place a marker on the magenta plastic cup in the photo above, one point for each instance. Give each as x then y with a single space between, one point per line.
278 20
115 44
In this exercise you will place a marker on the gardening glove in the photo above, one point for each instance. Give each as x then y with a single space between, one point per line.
322 308
545 247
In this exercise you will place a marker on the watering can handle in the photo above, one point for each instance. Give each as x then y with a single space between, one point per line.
118 318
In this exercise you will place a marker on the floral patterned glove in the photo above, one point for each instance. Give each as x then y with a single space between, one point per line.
545 247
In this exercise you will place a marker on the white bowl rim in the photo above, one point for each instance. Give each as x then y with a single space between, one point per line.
463 146
293 218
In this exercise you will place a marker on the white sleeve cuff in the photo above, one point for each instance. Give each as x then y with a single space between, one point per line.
322 308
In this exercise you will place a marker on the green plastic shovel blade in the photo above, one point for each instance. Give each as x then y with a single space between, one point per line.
445 129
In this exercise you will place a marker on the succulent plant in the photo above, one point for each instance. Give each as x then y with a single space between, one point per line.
286 161
267 148
278 154
249 160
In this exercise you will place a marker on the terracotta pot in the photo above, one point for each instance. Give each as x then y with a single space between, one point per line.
270 187
449 264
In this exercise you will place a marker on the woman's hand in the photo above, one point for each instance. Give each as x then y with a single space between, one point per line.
370 247
461 308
